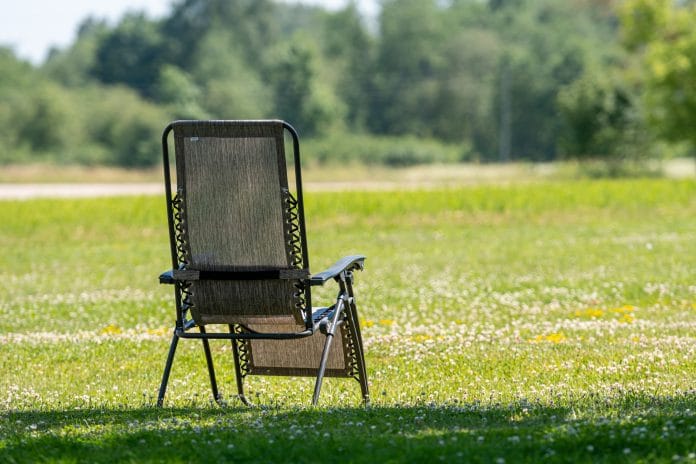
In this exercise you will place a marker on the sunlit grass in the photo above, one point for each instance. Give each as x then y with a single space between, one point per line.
548 321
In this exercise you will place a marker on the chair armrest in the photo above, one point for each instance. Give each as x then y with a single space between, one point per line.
347 263
167 277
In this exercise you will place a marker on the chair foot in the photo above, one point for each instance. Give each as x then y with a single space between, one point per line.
364 389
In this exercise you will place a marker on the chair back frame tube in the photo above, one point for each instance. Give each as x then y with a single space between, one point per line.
170 221
301 219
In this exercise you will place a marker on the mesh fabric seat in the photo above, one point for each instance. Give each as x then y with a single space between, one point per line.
240 260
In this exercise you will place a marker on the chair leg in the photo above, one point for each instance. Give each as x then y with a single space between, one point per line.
167 370
362 372
364 389
211 368
338 311
360 355
238 372
359 352
322 368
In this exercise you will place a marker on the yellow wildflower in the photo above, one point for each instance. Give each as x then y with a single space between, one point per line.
590 313
111 329
550 338
555 337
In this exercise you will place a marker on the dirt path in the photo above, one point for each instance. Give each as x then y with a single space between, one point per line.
78 190
27 191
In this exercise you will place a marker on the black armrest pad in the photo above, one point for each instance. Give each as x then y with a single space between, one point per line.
167 277
347 263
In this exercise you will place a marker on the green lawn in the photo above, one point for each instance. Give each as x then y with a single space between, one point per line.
539 322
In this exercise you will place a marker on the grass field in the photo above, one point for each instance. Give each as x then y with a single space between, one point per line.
535 322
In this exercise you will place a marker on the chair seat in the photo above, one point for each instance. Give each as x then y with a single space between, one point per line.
298 357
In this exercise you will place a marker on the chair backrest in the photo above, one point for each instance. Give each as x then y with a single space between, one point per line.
233 212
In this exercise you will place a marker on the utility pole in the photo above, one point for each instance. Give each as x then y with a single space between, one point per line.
505 132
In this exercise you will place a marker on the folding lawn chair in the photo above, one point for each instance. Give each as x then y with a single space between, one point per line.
240 265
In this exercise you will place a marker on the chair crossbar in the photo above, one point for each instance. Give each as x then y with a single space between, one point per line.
261 274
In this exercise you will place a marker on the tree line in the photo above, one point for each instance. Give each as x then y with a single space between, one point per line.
429 80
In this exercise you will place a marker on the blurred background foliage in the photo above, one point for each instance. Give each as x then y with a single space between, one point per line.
425 81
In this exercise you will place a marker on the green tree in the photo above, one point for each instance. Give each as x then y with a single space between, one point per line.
467 87
349 53
39 119
230 87
664 33
176 89
17 78
549 44
251 23
405 82
73 66
298 97
601 117
124 129
131 54
47 125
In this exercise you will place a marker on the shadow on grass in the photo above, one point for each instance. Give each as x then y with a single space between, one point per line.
626 428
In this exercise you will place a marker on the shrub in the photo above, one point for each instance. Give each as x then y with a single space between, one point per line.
381 150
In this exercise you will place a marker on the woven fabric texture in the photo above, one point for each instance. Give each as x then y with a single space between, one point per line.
297 357
232 180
